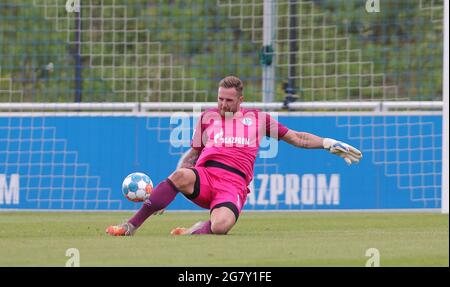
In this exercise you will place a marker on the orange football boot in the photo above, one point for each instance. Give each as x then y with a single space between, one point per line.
124 229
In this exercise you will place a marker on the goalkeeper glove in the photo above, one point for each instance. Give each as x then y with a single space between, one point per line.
346 151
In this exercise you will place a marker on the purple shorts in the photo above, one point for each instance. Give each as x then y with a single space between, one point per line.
216 187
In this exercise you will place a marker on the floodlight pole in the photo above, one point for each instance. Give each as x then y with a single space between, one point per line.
269 28
78 61
293 49
445 110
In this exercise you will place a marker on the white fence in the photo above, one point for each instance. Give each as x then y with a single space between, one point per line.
375 106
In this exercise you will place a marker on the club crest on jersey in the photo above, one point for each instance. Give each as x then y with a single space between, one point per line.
247 121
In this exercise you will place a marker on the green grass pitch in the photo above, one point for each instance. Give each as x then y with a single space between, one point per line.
258 239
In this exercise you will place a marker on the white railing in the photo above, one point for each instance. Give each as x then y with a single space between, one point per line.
54 107
374 106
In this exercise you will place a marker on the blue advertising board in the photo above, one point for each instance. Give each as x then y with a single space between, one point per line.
78 162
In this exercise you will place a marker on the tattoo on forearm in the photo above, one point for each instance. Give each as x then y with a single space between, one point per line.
306 140
303 140
190 160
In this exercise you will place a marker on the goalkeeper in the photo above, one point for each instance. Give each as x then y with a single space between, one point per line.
217 169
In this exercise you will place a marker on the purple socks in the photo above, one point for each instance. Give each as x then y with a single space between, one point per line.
161 197
204 228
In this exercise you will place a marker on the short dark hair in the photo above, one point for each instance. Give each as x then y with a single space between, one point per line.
232 82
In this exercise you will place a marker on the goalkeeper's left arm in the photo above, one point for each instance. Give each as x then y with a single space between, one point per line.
306 140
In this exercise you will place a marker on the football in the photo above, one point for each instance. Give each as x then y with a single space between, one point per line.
137 187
